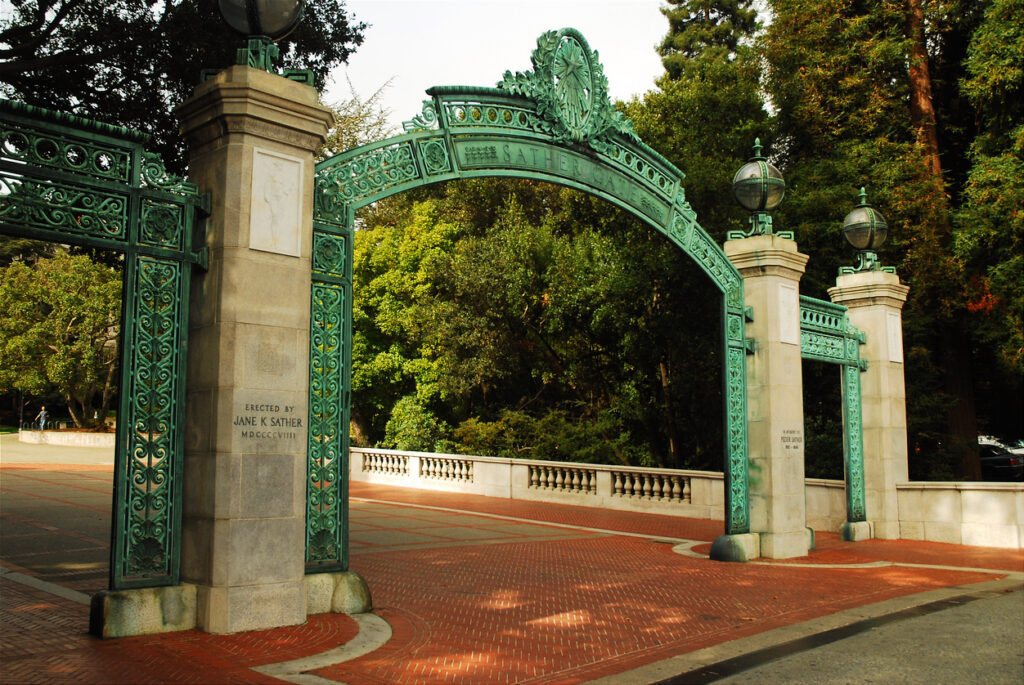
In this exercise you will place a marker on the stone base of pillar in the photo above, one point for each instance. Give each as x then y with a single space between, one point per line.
147 611
785 545
239 608
855 531
885 530
738 547
144 611
340 593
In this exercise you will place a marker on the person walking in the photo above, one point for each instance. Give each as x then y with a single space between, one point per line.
41 418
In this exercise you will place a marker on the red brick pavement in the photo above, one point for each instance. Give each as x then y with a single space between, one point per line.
60 650
573 610
529 610
830 548
654 525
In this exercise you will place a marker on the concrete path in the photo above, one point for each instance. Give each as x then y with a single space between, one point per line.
482 590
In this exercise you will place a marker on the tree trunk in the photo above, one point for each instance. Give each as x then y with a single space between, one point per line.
670 417
75 414
962 423
922 108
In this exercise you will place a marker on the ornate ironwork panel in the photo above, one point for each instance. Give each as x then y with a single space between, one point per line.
853 444
147 501
330 337
827 335
71 180
554 123
62 207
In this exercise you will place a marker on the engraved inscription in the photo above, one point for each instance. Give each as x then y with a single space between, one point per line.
792 439
263 420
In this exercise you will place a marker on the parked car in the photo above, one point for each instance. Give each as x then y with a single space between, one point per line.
1000 462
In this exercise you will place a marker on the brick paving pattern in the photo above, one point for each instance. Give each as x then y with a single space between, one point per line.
471 596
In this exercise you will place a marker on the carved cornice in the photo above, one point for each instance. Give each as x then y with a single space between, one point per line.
766 255
868 288
244 100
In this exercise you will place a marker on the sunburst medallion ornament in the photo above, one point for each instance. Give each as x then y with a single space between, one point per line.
570 89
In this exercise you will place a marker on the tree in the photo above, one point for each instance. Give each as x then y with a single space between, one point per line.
130 62
523 319
875 94
59 326
700 30
357 121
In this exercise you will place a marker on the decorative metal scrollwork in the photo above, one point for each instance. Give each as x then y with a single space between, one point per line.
570 89
328 409
70 180
147 546
536 124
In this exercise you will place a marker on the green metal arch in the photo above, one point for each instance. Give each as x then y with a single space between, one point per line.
522 129
478 132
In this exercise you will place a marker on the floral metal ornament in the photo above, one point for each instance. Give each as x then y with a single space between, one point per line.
570 89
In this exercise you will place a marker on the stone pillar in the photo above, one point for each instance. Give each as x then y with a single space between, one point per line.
771 267
875 302
252 137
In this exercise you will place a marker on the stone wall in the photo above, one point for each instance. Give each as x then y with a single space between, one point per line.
985 514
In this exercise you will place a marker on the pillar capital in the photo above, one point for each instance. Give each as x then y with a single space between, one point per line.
868 288
243 100
766 255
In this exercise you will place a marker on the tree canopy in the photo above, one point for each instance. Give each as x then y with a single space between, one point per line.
522 319
130 62
59 327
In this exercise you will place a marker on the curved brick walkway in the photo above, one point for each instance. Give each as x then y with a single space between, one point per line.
475 589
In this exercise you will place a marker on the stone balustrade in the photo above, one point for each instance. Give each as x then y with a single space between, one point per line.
989 514
698 494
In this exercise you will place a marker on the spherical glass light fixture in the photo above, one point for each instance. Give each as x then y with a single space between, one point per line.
759 188
758 185
865 228
271 18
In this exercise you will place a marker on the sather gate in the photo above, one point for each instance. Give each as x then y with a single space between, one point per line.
556 124
224 552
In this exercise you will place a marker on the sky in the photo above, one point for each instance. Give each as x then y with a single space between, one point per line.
416 44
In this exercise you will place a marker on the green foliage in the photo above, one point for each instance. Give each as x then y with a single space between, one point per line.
540 323
990 235
704 30
414 427
131 63
59 324
838 77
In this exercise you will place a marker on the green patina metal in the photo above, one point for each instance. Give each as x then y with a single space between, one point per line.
555 123
69 180
827 335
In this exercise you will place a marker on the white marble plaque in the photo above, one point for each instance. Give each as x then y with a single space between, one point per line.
275 218
894 336
789 314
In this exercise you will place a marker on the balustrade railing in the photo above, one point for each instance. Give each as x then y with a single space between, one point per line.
564 478
657 486
387 463
685 493
446 468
